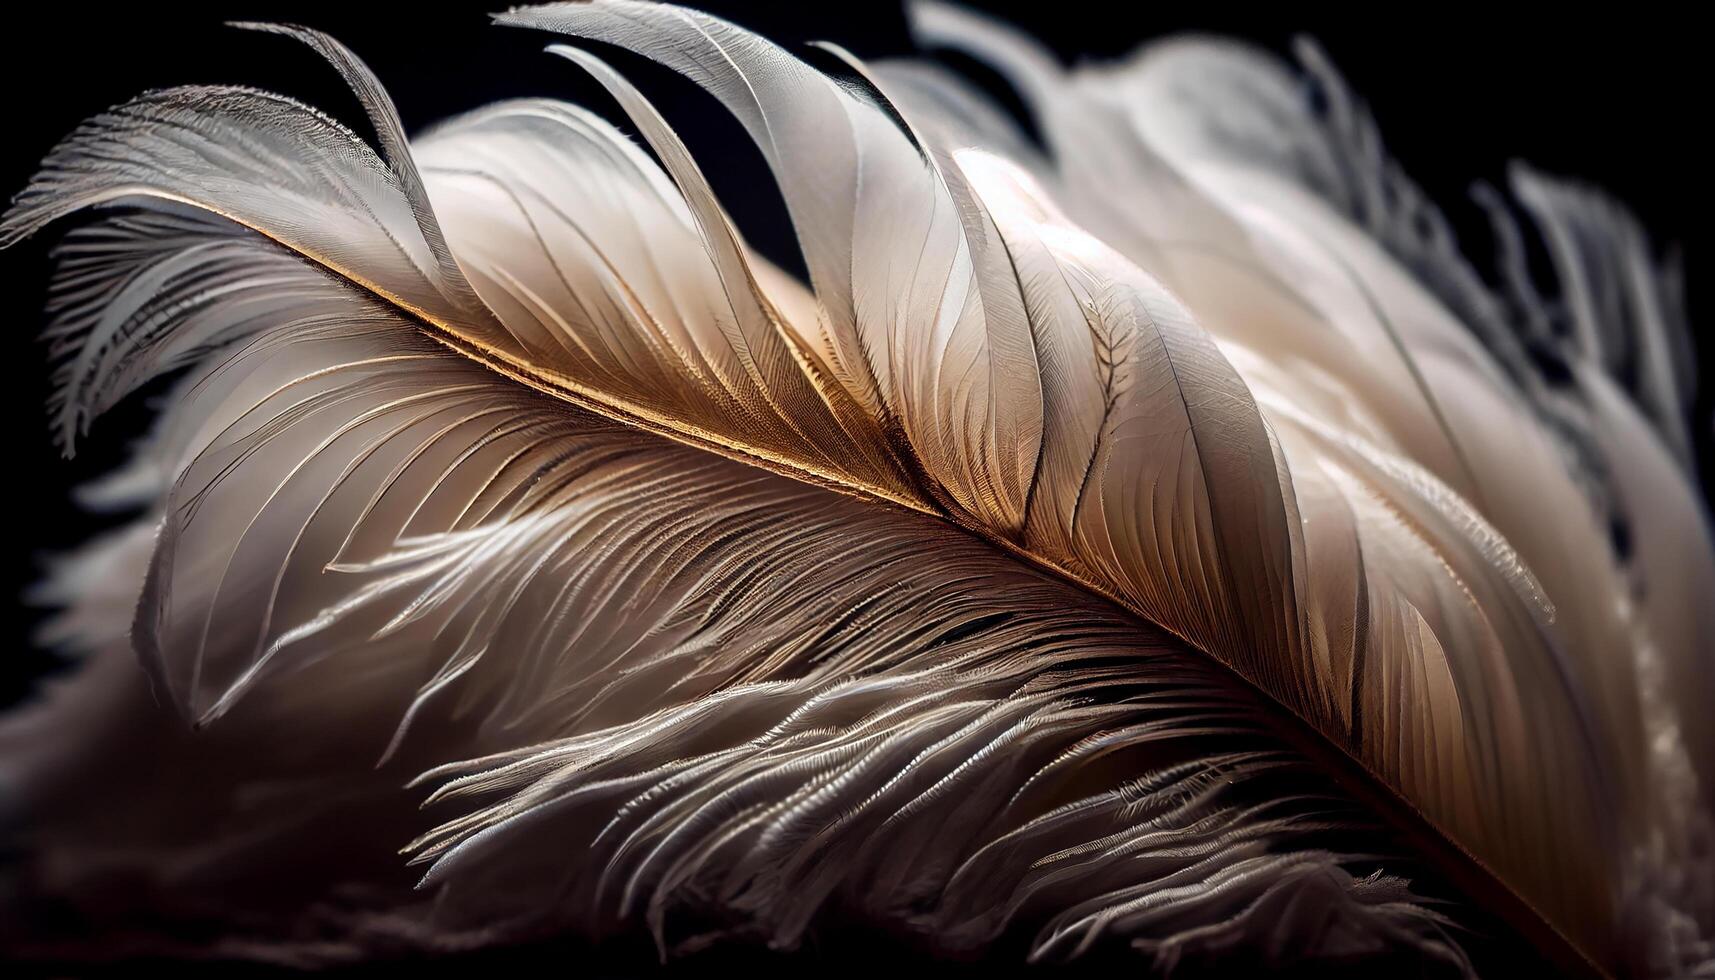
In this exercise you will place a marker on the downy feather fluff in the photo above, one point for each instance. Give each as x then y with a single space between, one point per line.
1155 537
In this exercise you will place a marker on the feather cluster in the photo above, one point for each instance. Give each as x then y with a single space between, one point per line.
1154 535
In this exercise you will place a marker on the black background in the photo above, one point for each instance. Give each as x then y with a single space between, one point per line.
1618 100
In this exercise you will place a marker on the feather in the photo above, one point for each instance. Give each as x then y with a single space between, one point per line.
1157 539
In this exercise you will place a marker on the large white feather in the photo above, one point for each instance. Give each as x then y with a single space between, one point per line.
1084 548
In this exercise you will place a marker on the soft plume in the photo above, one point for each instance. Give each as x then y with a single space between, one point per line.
1155 532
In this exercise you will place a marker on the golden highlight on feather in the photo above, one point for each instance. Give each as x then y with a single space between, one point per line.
1156 536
